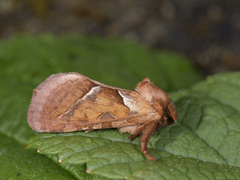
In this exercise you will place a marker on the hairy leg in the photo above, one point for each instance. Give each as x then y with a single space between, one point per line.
137 132
146 131
149 130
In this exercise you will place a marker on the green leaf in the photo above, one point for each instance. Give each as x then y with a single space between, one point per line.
111 61
214 114
26 61
16 163
205 143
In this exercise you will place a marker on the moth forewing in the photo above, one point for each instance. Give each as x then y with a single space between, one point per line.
68 102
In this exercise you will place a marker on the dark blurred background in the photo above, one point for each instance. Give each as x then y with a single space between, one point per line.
208 32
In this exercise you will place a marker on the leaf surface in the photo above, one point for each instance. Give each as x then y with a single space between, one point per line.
204 143
26 61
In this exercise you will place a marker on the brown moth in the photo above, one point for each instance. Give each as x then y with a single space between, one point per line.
68 102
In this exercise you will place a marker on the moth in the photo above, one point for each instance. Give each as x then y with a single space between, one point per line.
68 102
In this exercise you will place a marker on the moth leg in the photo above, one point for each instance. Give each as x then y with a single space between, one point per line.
149 130
87 131
133 137
145 150
137 132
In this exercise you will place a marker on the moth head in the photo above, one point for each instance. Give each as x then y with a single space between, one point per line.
158 98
